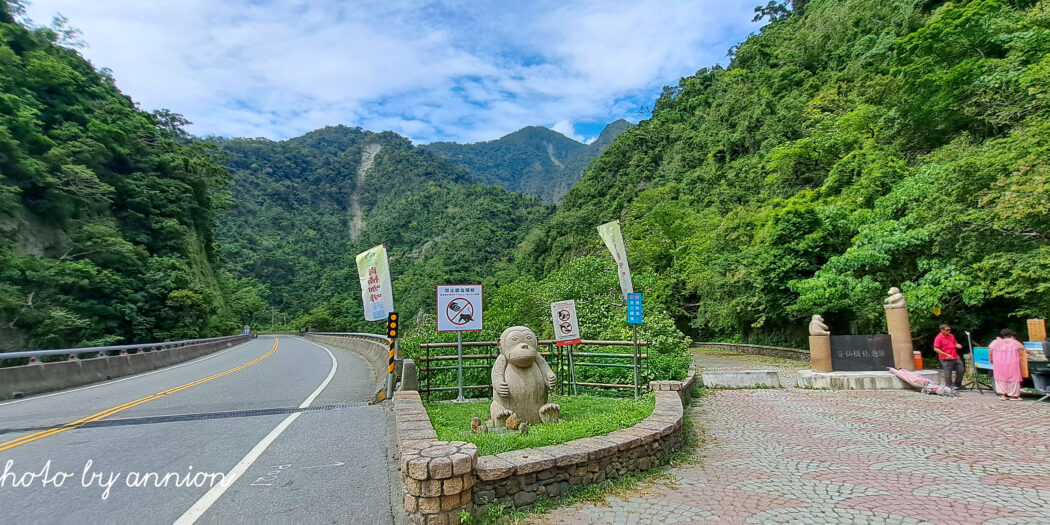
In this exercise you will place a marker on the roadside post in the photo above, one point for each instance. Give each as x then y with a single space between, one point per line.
392 328
459 309
634 318
566 332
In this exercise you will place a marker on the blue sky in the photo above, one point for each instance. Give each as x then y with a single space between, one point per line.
456 70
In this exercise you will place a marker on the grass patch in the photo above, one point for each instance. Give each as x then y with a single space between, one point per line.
582 416
624 486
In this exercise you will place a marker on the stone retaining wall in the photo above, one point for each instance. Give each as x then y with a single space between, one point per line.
520 477
377 354
770 351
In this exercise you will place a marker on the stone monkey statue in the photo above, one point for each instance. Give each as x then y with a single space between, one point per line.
817 326
895 299
521 380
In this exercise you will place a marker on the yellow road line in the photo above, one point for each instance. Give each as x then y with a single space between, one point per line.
122 407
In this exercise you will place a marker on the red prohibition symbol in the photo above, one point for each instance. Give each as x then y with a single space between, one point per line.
459 311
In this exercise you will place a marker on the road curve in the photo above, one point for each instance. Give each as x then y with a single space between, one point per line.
276 430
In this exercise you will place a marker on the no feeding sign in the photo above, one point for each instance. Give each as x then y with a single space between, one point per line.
566 326
459 308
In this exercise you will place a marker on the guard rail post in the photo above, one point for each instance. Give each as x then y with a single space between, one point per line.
390 370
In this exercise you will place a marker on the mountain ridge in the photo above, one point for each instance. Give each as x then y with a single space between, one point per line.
534 160
304 207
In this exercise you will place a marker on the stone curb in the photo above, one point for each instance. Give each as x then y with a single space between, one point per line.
433 471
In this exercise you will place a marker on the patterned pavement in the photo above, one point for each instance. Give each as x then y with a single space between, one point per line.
811 456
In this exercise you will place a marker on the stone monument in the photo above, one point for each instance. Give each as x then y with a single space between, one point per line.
819 345
900 329
521 380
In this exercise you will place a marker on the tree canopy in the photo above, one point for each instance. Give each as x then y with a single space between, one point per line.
106 215
852 146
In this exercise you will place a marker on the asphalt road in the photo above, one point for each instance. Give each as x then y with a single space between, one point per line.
276 430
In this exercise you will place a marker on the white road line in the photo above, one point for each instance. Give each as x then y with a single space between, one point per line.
134 376
198 509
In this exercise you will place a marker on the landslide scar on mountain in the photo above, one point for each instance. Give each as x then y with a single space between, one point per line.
550 153
357 222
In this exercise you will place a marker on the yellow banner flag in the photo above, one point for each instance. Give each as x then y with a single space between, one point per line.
610 233
373 269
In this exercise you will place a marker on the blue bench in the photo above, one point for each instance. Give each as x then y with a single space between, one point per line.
982 360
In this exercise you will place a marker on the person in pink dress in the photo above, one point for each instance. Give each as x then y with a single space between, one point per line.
1005 356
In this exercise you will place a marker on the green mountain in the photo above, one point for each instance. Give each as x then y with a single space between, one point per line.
106 212
532 160
851 146
303 208
572 171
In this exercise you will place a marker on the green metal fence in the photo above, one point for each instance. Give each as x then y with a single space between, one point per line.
436 363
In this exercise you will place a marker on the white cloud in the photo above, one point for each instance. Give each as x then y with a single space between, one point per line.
566 128
454 70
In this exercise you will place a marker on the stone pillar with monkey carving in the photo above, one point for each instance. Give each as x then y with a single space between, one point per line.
819 345
899 327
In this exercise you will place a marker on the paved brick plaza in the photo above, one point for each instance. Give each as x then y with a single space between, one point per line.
808 456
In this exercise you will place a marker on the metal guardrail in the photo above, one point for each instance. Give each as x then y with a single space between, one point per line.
113 348
371 337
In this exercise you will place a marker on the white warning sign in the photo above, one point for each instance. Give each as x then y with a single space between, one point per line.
459 308
566 327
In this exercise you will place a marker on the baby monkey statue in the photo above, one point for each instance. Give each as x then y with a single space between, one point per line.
521 380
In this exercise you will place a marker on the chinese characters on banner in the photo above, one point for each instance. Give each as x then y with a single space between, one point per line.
373 269
610 233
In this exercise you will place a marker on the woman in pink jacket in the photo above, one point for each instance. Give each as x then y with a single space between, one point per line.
1005 355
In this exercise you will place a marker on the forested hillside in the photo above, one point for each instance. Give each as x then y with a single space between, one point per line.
532 160
304 208
852 146
106 212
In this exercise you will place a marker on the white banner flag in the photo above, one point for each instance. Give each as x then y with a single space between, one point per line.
373 269
610 233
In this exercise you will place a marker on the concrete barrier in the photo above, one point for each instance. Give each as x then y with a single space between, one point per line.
375 353
37 378
409 378
874 380
740 379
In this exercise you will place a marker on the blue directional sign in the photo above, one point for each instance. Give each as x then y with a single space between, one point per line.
634 308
